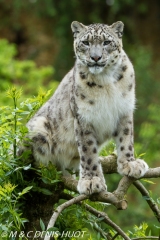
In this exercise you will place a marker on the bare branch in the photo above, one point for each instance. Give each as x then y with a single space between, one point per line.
115 198
150 202
60 208
152 173
109 164
70 183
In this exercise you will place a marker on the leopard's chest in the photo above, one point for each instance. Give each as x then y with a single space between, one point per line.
103 108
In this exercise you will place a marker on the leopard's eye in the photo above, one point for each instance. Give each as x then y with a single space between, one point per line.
106 43
86 43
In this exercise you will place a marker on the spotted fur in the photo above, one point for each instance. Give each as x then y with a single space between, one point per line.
93 103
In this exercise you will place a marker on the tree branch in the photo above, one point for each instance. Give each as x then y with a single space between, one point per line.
152 173
107 220
60 208
116 198
151 203
109 165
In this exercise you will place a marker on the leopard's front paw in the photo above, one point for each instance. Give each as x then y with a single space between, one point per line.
89 186
136 168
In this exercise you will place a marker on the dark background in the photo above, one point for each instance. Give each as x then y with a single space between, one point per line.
41 29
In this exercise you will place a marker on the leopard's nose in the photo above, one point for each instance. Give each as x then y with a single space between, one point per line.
96 58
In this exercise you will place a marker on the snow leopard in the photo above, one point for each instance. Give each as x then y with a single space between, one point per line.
94 103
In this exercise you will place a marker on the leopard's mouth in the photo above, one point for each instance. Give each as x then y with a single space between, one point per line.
95 65
96 68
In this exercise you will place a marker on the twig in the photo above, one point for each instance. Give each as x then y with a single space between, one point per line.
60 208
107 220
100 230
151 203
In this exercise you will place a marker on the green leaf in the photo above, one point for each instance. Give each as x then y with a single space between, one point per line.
55 181
157 226
27 167
158 200
52 229
45 191
42 225
146 197
148 181
141 155
4 228
25 190
101 219
46 181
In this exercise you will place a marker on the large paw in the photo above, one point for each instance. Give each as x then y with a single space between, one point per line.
136 168
89 186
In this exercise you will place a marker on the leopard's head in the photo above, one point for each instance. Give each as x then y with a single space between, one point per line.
97 46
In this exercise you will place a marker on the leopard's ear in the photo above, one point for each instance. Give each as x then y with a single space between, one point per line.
118 28
77 27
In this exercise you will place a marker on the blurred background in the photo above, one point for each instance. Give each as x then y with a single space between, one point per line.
36 50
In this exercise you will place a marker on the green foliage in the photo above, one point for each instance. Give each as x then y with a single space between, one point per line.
48 172
140 231
12 167
21 73
149 135
10 215
76 218
108 149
